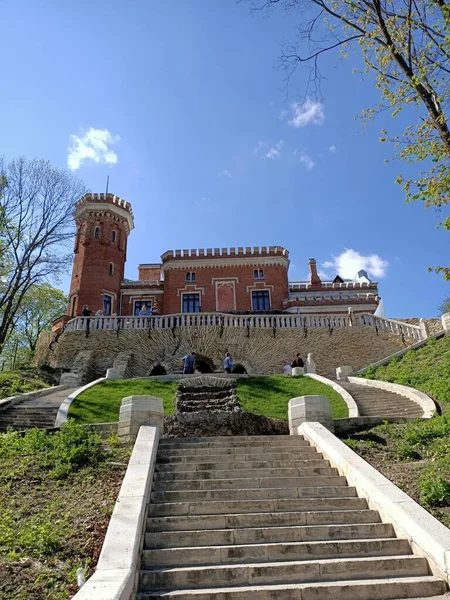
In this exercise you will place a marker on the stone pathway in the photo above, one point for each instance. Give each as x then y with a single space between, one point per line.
36 412
373 402
267 518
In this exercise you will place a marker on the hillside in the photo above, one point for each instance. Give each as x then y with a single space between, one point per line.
426 369
416 455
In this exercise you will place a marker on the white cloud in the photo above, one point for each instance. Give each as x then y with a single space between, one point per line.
225 173
268 149
308 113
92 145
349 262
260 147
307 161
322 274
283 115
332 149
275 151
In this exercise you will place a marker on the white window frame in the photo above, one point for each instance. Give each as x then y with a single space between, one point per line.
260 290
190 293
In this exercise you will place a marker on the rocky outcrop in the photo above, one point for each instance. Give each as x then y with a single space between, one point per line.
221 423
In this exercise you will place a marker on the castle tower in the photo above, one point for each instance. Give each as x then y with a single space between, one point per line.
103 223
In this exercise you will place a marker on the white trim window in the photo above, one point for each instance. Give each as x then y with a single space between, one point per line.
261 300
190 302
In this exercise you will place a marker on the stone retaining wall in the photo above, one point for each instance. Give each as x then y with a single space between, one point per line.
261 352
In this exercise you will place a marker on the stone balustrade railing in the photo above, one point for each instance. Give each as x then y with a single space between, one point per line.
245 321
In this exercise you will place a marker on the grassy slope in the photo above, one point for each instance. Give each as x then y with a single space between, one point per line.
427 369
416 456
101 403
270 396
267 396
57 493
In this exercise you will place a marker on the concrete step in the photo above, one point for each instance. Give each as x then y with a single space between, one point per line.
233 442
275 519
244 473
255 506
248 455
254 494
372 589
232 465
250 483
301 533
251 553
282 572
299 449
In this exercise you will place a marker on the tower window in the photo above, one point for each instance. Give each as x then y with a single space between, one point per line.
190 276
107 304
258 274
111 268
97 233
114 236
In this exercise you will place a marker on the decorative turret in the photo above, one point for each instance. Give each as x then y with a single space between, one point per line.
103 223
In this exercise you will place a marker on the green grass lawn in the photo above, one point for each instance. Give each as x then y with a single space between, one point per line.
101 403
426 369
415 456
267 396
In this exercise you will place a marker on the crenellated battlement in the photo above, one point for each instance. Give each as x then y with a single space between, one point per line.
249 251
104 199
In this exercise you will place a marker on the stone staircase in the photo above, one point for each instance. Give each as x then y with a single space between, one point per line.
267 518
373 402
206 393
39 412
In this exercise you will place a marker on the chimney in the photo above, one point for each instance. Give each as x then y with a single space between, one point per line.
314 279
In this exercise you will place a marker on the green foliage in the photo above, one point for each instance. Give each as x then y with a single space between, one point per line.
41 534
101 403
269 396
435 486
61 453
444 307
426 369
12 383
40 306
50 526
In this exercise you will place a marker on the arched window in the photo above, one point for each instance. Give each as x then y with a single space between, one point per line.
97 233
114 236
111 268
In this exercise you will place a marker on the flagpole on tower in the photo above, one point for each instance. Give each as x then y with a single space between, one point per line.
107 184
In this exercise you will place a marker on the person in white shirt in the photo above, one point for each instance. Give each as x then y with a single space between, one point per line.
287 369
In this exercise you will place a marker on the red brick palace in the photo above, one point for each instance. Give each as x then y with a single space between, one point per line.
216 279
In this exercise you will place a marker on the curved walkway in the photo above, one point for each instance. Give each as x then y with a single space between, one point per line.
373 402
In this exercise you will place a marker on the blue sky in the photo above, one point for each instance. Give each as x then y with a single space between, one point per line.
180 103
